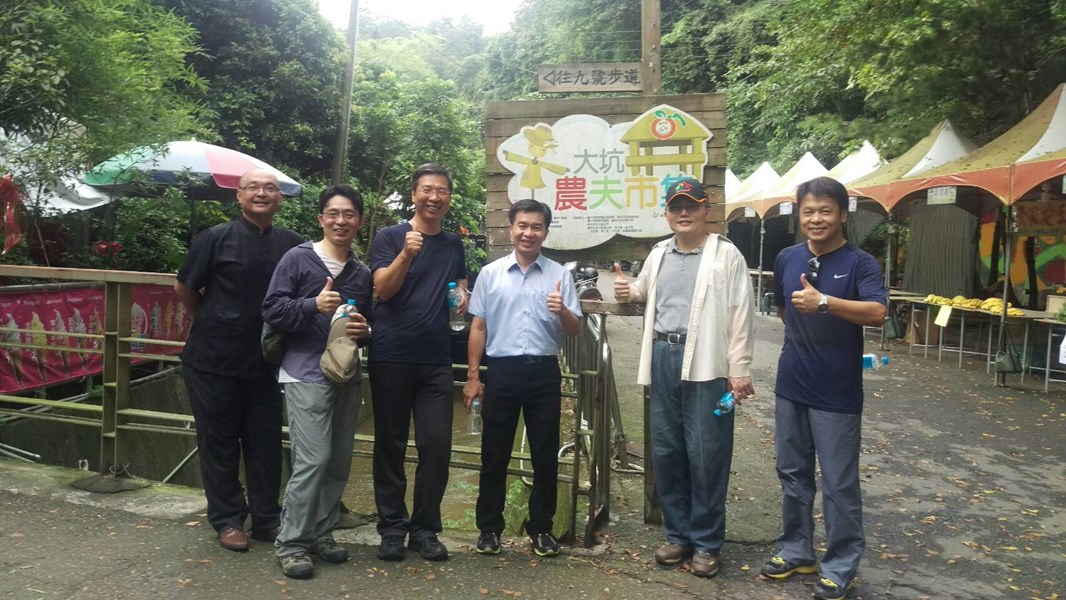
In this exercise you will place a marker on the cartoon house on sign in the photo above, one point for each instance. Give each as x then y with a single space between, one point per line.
664 137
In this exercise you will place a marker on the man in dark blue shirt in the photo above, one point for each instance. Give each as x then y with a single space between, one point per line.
233 392
410 365
826 290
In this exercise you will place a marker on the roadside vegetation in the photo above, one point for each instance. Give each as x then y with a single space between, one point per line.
87 80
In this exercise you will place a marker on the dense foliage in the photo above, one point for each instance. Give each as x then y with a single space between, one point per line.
815 75
82 80
94 78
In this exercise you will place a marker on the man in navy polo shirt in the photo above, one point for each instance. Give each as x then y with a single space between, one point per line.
826 290
523 305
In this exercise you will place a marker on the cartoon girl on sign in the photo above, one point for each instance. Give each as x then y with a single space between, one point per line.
540 141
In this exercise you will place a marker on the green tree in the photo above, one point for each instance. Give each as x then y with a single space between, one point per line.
845 70
275 69
400 122
560 31
87 79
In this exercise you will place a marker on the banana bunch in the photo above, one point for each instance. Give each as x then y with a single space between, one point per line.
964 302
994 305
934 299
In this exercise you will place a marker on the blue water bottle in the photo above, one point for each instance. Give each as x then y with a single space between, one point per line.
726 404
870 362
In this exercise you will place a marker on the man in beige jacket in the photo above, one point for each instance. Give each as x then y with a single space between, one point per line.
697 345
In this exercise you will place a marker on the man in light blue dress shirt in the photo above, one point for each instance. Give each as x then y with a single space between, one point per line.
522 305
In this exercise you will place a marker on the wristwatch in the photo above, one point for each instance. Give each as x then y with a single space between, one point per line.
823 304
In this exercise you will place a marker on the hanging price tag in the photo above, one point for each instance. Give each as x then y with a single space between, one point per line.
942 316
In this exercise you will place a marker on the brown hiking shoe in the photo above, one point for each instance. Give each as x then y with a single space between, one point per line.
704 564
671 554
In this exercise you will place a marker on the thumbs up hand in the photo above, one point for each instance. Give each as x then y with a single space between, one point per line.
621 284
412 244
806 298
327 300
555 299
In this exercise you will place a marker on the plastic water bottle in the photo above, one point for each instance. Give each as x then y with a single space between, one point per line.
726 404
455 320
473 422
346 310
870 362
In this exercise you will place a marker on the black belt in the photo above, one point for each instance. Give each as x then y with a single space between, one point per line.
671 338
525 359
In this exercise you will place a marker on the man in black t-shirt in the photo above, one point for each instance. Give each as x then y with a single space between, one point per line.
233 392
410 365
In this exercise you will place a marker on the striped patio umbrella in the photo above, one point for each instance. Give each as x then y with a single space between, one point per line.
203 171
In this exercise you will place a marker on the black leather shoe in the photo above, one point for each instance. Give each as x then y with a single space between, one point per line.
429 548
266 536
391 548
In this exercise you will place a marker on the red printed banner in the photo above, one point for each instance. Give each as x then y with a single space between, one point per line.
1041 218
156 313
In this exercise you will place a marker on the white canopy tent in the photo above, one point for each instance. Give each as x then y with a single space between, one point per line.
65 194
758 182
805 169
858 164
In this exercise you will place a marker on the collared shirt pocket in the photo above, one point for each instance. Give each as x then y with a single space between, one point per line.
718 276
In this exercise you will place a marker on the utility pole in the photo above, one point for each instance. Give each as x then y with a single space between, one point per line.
340 149
650 48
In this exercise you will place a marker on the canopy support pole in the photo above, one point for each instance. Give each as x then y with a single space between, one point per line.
1008 242
758 284
889 256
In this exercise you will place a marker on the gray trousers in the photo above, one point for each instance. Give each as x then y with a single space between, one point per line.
322 419
801 433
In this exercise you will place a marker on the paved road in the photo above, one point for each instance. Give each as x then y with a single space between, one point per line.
965 488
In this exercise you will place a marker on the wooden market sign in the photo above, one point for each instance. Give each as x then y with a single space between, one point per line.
1041 218
603 166
589 77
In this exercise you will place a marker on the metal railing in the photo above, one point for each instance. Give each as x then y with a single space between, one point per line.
115 413
584 381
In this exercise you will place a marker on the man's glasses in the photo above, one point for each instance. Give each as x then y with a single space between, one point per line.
255 189
347 215
429 191
681 206
814 265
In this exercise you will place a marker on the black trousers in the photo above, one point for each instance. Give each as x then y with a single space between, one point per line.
529 385
235 417
400 390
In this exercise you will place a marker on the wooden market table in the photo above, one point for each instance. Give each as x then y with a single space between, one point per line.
986 321
1053 326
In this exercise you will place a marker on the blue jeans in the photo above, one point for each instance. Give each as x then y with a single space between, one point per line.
692 451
